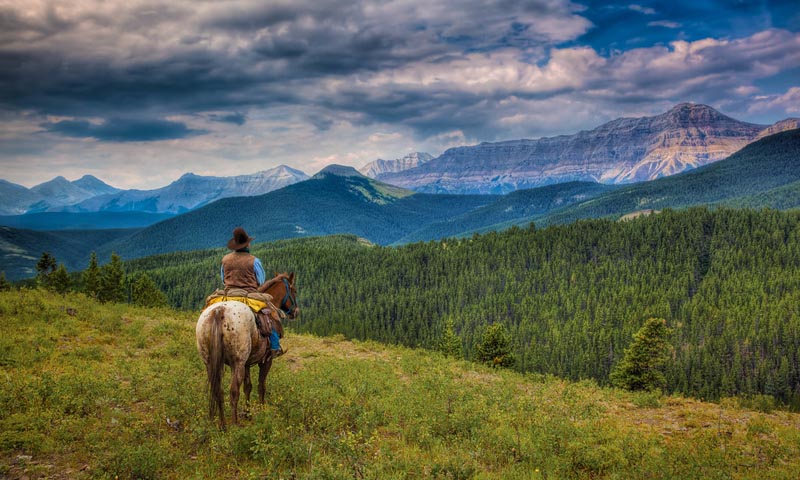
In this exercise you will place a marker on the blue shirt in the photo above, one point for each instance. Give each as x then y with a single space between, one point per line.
261 277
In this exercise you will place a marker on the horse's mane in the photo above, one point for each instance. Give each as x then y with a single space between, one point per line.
278 277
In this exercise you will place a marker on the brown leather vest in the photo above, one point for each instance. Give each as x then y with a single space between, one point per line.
239 271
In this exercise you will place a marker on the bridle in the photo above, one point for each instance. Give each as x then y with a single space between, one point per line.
289 297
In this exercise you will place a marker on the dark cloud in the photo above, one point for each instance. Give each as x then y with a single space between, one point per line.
193 57
236 118
377 62
122 130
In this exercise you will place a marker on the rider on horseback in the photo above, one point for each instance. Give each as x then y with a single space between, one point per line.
241 269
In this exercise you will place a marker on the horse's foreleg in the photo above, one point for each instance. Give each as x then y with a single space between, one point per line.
263 370
237 376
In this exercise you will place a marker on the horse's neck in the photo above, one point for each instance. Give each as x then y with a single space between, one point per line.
270 284
276 290
273 286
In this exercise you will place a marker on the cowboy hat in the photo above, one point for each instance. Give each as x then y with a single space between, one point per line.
240 239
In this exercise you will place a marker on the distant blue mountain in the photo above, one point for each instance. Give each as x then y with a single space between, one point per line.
89 194
59 192
94 185
189 192
16 199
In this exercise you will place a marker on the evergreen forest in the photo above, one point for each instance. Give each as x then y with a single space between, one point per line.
570 296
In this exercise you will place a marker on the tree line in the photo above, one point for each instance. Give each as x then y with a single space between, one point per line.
108 283
570 297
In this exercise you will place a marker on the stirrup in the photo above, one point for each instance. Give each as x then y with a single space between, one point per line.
277 353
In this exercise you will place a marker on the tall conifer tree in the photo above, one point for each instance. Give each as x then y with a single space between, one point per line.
59 280
146 293
642 367
45 267
450 343
494 348
91 277
112 288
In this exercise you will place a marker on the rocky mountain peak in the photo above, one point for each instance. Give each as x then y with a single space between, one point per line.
694 115
381 167
55 182
624 150
94 185
284 171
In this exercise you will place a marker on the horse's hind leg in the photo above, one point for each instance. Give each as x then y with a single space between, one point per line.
263 370
248 387
237 376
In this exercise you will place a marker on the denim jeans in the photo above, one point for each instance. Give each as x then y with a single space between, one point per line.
274 340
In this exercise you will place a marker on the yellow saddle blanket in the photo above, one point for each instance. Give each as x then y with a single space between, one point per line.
255 305
256 301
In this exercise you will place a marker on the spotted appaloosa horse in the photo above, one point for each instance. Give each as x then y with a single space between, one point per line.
227 334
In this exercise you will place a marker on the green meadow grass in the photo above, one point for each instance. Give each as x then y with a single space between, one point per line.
115 391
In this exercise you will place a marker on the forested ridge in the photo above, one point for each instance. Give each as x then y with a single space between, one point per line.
571 296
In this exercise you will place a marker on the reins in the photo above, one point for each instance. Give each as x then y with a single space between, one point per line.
288 297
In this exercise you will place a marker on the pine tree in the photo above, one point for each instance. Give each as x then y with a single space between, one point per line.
450 343
59 280
45 267
112 288
146 293
91 277
494 348
642 367
5 285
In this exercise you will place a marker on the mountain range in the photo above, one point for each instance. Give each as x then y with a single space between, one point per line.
89 194
621 151
338 199
341 200
58 192
199 212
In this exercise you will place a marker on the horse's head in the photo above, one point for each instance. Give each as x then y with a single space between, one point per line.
287 293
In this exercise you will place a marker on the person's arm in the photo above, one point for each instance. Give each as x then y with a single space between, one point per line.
261 277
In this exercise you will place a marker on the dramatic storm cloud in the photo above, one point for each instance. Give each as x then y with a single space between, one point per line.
138 92
122 130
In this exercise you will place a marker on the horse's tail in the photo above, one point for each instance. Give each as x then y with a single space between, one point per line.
215 366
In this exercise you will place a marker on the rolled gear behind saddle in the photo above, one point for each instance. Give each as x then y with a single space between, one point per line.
260 303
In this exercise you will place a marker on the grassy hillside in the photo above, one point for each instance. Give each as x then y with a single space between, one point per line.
118 392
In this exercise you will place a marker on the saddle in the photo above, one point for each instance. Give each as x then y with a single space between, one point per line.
267 315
